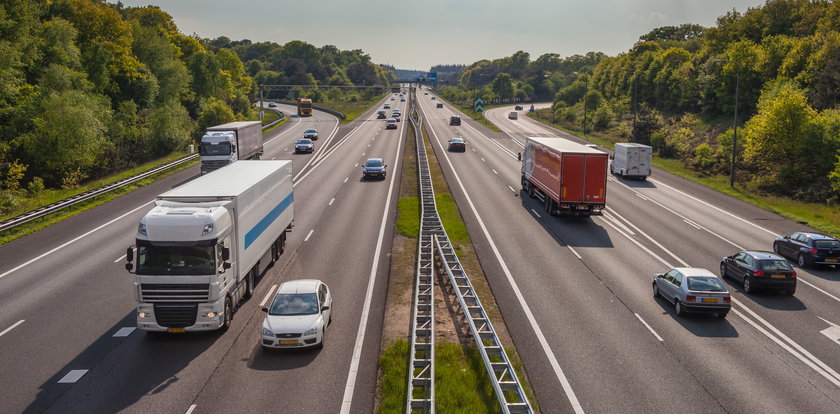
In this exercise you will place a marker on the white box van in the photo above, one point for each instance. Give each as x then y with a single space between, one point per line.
513 115
631 160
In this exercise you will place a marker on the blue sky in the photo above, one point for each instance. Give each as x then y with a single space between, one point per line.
420 33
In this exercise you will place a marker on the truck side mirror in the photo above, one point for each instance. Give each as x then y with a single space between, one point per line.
129 254
129 266
233 148
225 253
226 265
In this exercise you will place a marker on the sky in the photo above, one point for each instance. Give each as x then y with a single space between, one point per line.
420 33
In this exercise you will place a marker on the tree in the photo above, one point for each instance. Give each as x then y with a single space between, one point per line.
502 86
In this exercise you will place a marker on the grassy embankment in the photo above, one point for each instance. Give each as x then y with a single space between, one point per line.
461 381
351 109
822 217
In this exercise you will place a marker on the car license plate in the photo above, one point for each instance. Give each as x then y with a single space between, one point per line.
831 260
777 276
176 330
710 300
288 342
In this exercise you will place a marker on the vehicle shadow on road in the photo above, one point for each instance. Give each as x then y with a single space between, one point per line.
706 326
124 370
776 300
574 231
824 272
281 359
634 183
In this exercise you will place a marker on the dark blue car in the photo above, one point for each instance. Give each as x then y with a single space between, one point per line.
374 168
809 249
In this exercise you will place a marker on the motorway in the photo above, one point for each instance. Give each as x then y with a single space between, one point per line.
575 293
67 336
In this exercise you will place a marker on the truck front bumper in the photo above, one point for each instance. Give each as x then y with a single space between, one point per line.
179 317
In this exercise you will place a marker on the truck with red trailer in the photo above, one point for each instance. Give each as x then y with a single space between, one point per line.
567 177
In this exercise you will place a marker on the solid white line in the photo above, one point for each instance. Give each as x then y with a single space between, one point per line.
649 328
350 386
617 222
309 235
511 189
495 172
691 223
638 194
345 180
574 252
190 410
12 327
33 260
268 295
535 213
482 158
73 376
357 164
331 201
124 332
120 258
552 359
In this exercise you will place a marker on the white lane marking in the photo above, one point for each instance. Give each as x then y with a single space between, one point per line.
357 164
574 252
552 359
832 332
331 201
5 331
73 376
363 154
649 328
124 332
511 189
535 213
273 158
495 172
297 122
482 158
350 386
368 145
473 149
638 194
345 180
309 235
319 154
268 295
120 258
691 223
35 259
191 409
617 222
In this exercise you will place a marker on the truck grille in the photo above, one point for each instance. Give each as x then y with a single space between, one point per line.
213 165
175 316
168 293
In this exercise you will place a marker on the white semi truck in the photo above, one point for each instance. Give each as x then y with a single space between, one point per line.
631 160
203 246
224 144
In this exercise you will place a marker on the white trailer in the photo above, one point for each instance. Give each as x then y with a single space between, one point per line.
203 246
631 160
224 144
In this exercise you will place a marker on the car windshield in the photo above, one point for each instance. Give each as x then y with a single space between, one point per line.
294 304
827 244
705 284
774 264
311 131
222 148
304 141
166 259
456 140
373 163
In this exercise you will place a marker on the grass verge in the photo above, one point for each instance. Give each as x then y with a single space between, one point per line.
822 217
351 109
49 219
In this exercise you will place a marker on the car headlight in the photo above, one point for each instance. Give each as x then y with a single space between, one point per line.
311 331
267 332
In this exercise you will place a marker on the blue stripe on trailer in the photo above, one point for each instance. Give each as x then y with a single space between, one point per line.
266 221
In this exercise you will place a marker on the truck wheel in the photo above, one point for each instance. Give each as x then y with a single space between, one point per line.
282 247
249 283
228 315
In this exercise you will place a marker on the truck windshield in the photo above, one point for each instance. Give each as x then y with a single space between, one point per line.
222 148
176 258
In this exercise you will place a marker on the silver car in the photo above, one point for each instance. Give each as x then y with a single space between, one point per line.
304 145
693 290
311 134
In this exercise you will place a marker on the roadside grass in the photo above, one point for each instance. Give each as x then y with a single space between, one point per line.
461 381
408 216
822 217
33 226
393 380
351 109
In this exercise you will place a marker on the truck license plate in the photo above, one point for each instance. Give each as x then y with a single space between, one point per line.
176 330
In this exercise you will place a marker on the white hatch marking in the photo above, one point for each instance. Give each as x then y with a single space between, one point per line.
123 332
73 376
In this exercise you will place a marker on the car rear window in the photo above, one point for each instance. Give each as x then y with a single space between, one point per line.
827 244
705 284
311 131
774 265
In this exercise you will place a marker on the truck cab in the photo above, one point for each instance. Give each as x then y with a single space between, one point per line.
217 149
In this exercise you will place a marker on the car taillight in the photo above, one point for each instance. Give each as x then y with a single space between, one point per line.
727 299
812 250
690 298
793 275
758 273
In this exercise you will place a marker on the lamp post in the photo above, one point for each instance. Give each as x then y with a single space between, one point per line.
735 121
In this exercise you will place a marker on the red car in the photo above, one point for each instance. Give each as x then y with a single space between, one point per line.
391 124
457 144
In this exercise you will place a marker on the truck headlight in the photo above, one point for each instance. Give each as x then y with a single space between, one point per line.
208 228
267 332
144 315
142 229
311 331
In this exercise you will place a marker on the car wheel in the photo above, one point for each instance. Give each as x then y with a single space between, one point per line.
679 307
790 291
801 261
655 290
723 271
748 288
722 315
228 316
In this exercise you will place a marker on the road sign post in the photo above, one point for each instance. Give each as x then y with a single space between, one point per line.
479 105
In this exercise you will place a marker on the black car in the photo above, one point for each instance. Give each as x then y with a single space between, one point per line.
374 168
757 270
809 249
517 108
457 144
454 120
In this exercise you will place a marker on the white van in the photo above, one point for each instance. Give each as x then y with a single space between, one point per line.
513 115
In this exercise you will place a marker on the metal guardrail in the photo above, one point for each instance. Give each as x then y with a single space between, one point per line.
87 195
420 394
436 251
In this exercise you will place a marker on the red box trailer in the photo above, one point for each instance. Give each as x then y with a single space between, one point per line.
569 178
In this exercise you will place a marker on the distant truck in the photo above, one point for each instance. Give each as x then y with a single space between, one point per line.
304 106
631 160
569 178
224 144
202 247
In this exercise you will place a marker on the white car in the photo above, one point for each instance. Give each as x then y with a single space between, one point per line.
298 315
